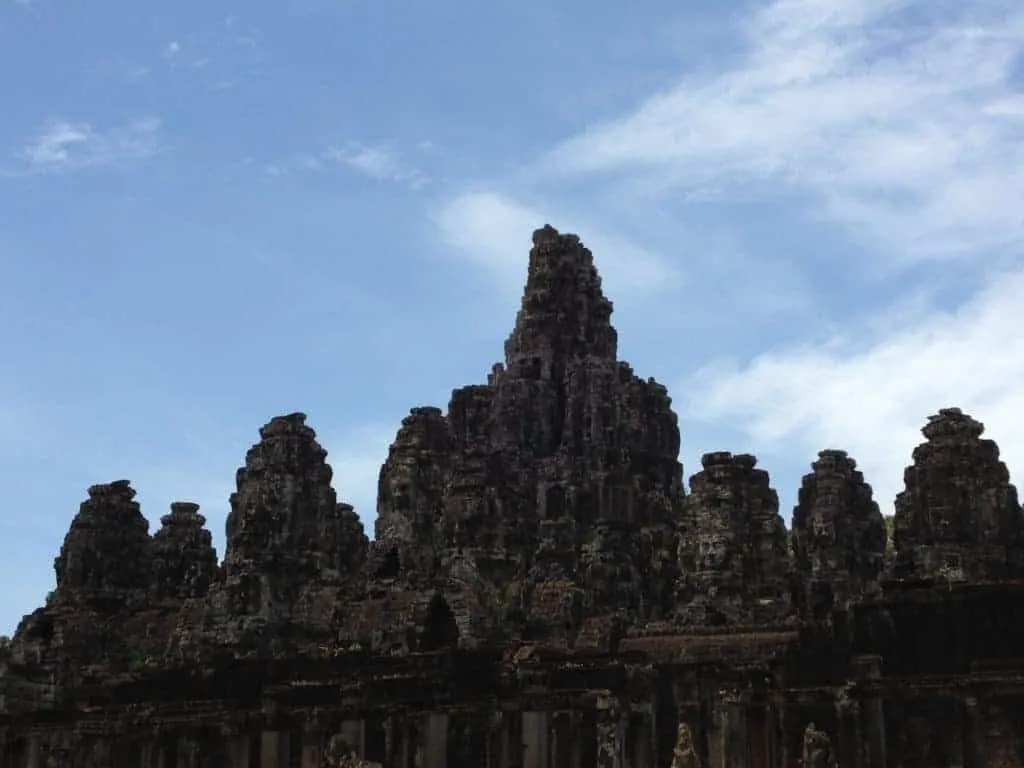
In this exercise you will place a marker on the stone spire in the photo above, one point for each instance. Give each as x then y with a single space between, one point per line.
838 534
285 528
733 555
184 560
564 314
106 553
411 489
958 517
525 490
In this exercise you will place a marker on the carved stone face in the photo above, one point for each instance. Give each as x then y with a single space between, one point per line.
817 748
822 530
337 752
712 550
684 738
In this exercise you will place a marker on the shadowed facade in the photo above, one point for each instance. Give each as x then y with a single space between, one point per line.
542 591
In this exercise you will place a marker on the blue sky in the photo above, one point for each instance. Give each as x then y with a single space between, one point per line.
808 213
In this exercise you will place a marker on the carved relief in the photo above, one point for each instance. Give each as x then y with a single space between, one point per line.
712 551
684 754
817 750
340 754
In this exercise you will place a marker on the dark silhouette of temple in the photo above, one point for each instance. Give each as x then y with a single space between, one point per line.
541 592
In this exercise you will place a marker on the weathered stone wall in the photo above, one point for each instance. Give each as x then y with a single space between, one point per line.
541 592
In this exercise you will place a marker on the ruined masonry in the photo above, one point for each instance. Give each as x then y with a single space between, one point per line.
542 591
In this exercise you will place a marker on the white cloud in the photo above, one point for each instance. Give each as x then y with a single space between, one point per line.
492 231
55 143
900 118
377 163
872 398
62 145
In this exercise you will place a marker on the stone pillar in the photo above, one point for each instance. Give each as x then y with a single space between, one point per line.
561 740
610 732
147 752
312 747
238 747
513 739
850 739
577 735
435 740
714 734
190 750
759 737
354 733
274 749
34 752
734 733
974 734
868 669
782 724
397 742
536 750
495 724
644 744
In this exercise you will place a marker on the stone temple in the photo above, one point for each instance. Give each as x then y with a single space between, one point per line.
542 591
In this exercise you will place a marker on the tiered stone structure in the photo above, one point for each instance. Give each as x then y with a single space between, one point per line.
959 517
838 536
541 592
184 560
735 564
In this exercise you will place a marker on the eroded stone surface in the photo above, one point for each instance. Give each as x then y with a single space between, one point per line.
533 489
294 555
285 526
959 516
838 534
540 591
184 560
733 553
106 554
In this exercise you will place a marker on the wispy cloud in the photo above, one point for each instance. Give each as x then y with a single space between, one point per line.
62 145
378 163
872 395
491 230
902 119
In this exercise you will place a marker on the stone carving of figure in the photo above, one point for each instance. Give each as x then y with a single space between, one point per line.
340 754
191 754
684 754
712 551
817 751
822 529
